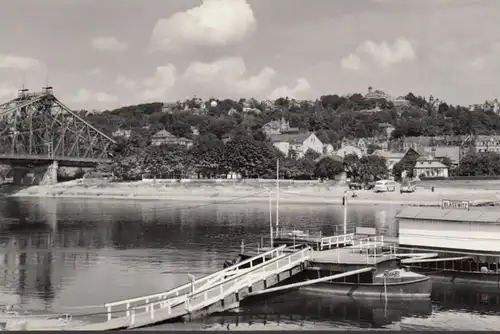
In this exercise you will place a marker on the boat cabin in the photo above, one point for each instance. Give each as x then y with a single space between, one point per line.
452 229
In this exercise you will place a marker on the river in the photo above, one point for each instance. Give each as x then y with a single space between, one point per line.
68 255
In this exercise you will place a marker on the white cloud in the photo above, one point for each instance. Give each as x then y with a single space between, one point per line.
385 54
213 23
300 88
108 43
351 62
228 76
158 85
19 63
125 82
85 95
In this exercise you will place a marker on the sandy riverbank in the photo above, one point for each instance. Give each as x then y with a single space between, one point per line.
240 193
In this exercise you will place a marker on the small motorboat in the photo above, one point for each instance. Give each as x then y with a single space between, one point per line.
396 283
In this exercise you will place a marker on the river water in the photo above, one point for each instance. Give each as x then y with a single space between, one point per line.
68 255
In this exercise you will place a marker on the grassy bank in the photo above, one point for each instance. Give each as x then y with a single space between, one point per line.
253 192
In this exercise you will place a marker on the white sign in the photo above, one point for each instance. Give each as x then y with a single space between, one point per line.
451 204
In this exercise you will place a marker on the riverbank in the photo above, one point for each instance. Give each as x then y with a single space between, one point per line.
305 193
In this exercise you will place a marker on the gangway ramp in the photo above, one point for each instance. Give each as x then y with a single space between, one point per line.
213 293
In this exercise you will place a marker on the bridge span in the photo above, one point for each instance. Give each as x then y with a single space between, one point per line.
38 134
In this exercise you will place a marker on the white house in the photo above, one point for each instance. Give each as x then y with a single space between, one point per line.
430 168
346 150
298 142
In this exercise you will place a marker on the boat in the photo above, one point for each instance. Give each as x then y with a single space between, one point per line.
397 283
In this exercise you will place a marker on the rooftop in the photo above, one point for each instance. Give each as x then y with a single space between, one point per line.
290 137
449 215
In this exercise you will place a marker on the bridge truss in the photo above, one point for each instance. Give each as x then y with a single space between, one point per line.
38 126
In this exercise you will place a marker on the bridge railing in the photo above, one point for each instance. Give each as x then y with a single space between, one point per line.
336 240
209 295
191 287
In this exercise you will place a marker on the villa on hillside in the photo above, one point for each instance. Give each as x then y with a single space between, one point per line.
297 142
164 137
122 133
278 127
377 94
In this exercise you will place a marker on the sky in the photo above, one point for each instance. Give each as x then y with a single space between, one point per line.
102 54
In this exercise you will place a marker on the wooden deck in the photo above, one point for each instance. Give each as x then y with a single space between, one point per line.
364 252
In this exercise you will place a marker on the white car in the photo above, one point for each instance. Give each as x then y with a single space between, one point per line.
385 186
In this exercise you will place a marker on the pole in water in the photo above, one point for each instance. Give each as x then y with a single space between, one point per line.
344 203
271 218
277 193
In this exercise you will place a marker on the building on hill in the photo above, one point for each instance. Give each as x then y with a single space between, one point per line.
450 152
377 95
278 127
401 101
297 142
391 158
164 137
328 149
430 167
484 143
387 128
122 133
348 149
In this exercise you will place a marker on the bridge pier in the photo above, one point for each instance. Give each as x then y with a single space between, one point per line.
38 175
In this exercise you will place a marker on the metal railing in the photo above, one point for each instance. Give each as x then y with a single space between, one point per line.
211 294
191 287
336 240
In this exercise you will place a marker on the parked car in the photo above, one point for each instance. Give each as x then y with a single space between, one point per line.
408 187
385 186
355 186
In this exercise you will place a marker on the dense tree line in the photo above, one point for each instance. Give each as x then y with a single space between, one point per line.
331 117
209 157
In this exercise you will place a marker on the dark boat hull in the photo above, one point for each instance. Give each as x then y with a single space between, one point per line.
419 288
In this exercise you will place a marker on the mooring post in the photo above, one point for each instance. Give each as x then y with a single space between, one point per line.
242 246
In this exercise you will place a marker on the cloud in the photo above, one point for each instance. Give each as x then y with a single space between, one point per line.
300 88
158 85
381 53
351 62
125 82
18 62
85 95
227 75
214 23
385 54
108 43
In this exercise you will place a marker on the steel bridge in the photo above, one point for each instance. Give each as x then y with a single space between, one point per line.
37 130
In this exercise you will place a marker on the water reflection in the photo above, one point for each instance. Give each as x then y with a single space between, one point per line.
65 254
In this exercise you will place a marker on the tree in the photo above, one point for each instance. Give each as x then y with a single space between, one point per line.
372 168
406 164
480 164
207 155
352 166
249 157
328 168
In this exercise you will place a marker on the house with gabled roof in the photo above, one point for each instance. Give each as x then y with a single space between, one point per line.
164 137
300 143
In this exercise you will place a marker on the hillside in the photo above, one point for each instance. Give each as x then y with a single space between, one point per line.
332 117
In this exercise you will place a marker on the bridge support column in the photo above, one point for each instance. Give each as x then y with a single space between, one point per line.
50 175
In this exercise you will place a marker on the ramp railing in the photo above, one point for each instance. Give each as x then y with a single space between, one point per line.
336 240
124 306
220 290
